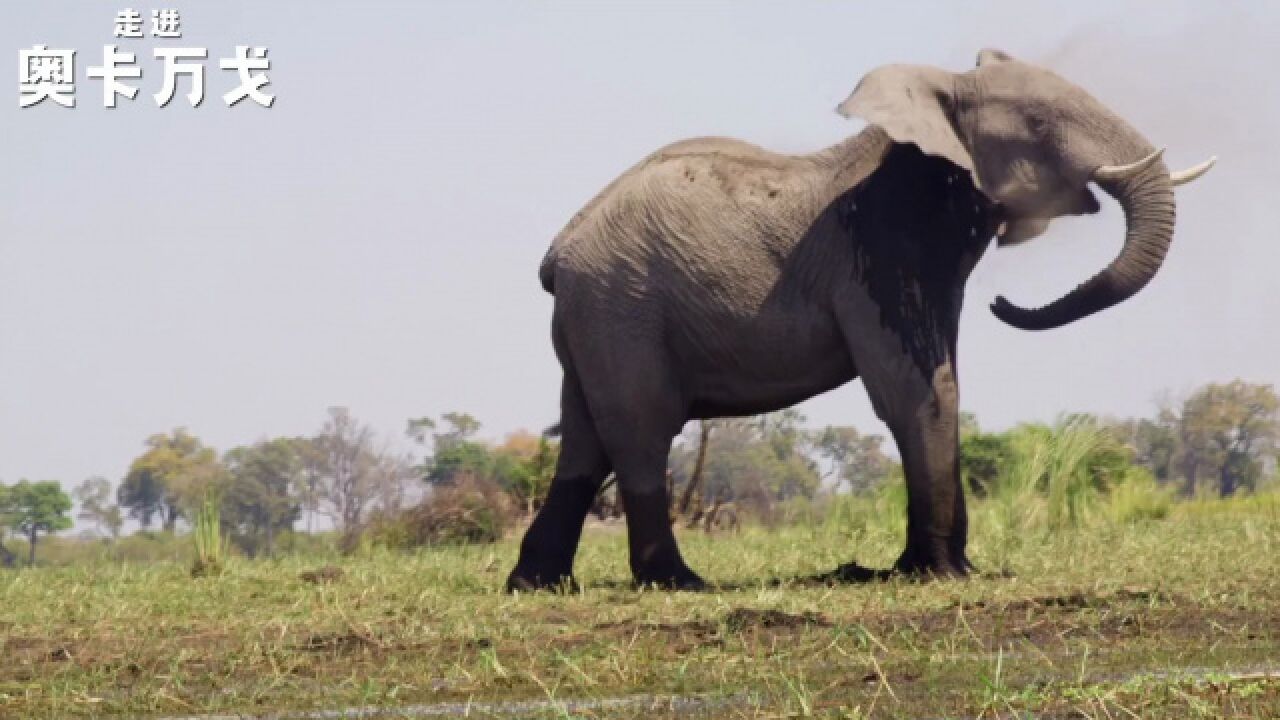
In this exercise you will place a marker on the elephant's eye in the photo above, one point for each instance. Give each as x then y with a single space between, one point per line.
1038 126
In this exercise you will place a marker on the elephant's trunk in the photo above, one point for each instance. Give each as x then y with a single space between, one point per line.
1147 200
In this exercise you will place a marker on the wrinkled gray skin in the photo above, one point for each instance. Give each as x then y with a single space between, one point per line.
716 278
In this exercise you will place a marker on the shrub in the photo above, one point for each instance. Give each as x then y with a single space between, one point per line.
1066 468
984 457
150 546
303 544
1138 499
470 510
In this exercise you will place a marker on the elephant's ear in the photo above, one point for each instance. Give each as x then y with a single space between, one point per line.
912 103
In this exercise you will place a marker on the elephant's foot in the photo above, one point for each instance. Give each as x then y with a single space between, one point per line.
655 555
543 568
546 553
933 563
526 580
912 564
674 577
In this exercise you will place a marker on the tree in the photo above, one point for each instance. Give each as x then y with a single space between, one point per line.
353 475
35 509
453 451
753 461
793 472
7 558
1154 442
691 485
170 479
1228 432
94 497
393 487
857 459
784 431
451 461
524 465
310 489
462 426
260 499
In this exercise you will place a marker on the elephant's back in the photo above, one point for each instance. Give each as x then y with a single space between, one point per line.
689 198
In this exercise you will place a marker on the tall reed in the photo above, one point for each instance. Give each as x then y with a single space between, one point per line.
210 545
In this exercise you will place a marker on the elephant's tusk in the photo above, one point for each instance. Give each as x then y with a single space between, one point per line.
1124 172
1182 177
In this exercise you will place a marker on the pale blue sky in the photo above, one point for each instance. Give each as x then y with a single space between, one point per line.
372 240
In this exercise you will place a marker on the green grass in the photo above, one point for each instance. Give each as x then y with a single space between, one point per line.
1118 615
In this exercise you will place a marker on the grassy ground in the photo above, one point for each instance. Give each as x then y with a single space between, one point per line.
1106 620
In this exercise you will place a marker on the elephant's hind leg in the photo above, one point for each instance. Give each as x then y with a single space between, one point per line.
655 556
637 414
546 554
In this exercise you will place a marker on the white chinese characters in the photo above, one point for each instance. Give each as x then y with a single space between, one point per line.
115 65
166 23
250 85
49 74
128 24
173 67
45 73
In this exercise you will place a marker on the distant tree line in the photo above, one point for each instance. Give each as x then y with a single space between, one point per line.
1221 439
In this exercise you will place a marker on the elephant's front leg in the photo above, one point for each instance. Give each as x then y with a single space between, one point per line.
923 415
910 374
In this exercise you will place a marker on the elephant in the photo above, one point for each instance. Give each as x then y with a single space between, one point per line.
716 278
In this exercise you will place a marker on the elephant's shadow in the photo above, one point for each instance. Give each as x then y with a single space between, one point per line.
848 574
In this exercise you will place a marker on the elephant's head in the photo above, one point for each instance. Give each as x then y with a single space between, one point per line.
1033 142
